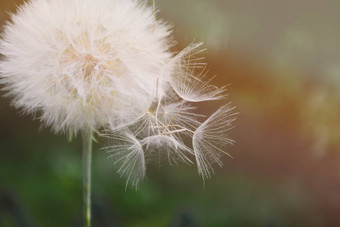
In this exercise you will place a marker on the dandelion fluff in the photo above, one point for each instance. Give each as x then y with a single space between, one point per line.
190 77
159 147
210 138
127 152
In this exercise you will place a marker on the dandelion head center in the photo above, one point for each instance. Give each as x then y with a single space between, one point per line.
89 64
90 58
89 68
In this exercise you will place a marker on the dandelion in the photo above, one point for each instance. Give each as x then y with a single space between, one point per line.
106 67
77 63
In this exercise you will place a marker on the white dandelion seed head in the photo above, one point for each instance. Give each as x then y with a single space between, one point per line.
107 64
77 63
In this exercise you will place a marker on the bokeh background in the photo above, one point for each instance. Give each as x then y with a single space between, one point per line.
281 61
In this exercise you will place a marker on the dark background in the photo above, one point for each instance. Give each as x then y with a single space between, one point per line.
281 59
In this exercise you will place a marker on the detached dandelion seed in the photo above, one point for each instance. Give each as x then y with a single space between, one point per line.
105 67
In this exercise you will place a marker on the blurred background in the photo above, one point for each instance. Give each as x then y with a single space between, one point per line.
281 61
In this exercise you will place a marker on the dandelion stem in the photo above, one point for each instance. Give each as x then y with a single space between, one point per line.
87 159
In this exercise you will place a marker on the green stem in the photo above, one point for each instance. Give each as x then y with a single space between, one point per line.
87 159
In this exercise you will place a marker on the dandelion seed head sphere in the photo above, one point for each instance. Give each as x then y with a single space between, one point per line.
78 62
107 64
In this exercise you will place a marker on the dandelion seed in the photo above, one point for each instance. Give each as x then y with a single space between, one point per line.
210 138
160 146
190 77
127 151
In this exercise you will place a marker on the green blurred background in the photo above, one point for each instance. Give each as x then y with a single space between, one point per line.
281 59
